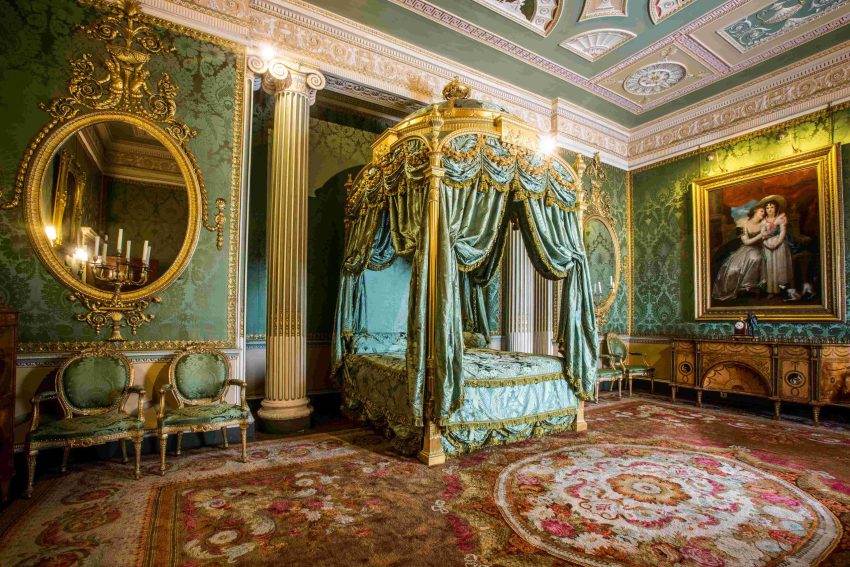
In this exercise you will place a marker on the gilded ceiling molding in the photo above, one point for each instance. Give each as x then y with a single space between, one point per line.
814 83
229 21
602 8
597 43
504 45
357 53
376 96
543 20
660 10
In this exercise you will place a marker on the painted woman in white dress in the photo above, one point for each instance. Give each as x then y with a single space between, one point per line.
743 270
778 268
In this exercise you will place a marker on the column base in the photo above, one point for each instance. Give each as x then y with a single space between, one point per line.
285 416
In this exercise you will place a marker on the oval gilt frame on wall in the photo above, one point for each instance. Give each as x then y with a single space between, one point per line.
34 181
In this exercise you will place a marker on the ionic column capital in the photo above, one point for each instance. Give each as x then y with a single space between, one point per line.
281 76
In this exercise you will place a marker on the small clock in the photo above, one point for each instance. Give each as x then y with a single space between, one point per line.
741 328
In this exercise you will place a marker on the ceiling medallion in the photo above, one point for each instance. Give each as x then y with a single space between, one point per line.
539 15
602 8
594 44
654 78
660 10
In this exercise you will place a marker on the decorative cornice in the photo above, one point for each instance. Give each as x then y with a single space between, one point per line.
808 86
55 359
377 67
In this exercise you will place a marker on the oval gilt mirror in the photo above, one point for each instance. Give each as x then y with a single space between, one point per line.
116 208
603 255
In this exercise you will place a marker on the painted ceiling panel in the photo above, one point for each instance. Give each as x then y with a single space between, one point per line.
613 57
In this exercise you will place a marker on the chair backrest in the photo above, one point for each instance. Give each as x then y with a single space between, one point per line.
94 381
616 345
199 375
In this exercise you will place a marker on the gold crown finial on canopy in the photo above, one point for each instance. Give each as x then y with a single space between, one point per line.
456 89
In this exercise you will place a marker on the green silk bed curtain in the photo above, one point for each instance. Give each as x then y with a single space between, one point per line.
486 184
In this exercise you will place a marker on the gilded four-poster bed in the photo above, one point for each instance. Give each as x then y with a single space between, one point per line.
426 225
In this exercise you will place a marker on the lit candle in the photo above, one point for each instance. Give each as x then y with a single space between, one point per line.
96 245
104 252
612 281
145 252
120 238
128 250
148 261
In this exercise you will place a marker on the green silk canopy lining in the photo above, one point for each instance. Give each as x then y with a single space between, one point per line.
486 183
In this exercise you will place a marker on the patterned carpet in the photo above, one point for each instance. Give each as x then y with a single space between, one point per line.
649 484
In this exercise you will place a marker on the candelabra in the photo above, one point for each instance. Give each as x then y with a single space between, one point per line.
117 275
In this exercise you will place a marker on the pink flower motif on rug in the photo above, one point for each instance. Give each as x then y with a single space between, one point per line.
626 504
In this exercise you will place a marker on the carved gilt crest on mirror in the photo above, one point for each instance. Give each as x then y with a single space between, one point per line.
115 140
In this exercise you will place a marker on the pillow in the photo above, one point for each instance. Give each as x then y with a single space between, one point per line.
368 343
474 340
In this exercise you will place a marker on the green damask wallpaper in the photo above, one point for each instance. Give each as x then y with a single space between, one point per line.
615 187
37 38
663 217
131 206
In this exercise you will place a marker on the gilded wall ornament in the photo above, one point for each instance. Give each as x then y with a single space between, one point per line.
114 90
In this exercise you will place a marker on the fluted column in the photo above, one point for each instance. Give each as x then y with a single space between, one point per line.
286 406
543 311
520 295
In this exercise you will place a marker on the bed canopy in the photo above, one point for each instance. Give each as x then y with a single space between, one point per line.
443 189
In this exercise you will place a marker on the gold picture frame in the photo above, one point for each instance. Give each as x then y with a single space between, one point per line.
769 240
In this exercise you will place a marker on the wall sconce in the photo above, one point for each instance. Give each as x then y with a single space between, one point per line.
710 156
781 135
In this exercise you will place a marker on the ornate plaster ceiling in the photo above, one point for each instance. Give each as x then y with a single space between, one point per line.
632 61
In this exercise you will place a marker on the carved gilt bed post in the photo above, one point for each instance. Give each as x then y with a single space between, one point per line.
432 446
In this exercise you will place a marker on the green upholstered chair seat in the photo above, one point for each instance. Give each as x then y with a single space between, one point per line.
638 368
198 415
102 425
604 374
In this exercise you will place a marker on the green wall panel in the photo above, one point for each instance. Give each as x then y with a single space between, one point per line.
37 38
663 227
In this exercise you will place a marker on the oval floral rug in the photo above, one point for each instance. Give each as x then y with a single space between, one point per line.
634 505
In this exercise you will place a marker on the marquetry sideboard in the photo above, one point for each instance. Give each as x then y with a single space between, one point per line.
8 367
781 371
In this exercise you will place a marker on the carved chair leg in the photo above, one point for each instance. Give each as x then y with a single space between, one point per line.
776 409
179 442
163 442
31 456
597 392
137 445
673 394
66 450
699 398
816 415
620 388
243 432
224 436
123 443
630 386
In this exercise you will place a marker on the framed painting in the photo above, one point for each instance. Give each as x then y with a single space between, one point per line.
769 240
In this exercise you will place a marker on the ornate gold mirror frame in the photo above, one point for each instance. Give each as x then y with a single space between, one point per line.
116 88
599 210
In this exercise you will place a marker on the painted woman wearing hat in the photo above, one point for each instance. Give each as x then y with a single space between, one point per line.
779 271
743 270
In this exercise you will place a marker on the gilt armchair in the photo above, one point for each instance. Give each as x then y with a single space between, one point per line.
92 388
199 378
618 354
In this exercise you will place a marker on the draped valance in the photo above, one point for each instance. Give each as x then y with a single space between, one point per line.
483 187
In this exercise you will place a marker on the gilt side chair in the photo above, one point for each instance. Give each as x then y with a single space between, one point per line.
92 387
619 352
199 379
